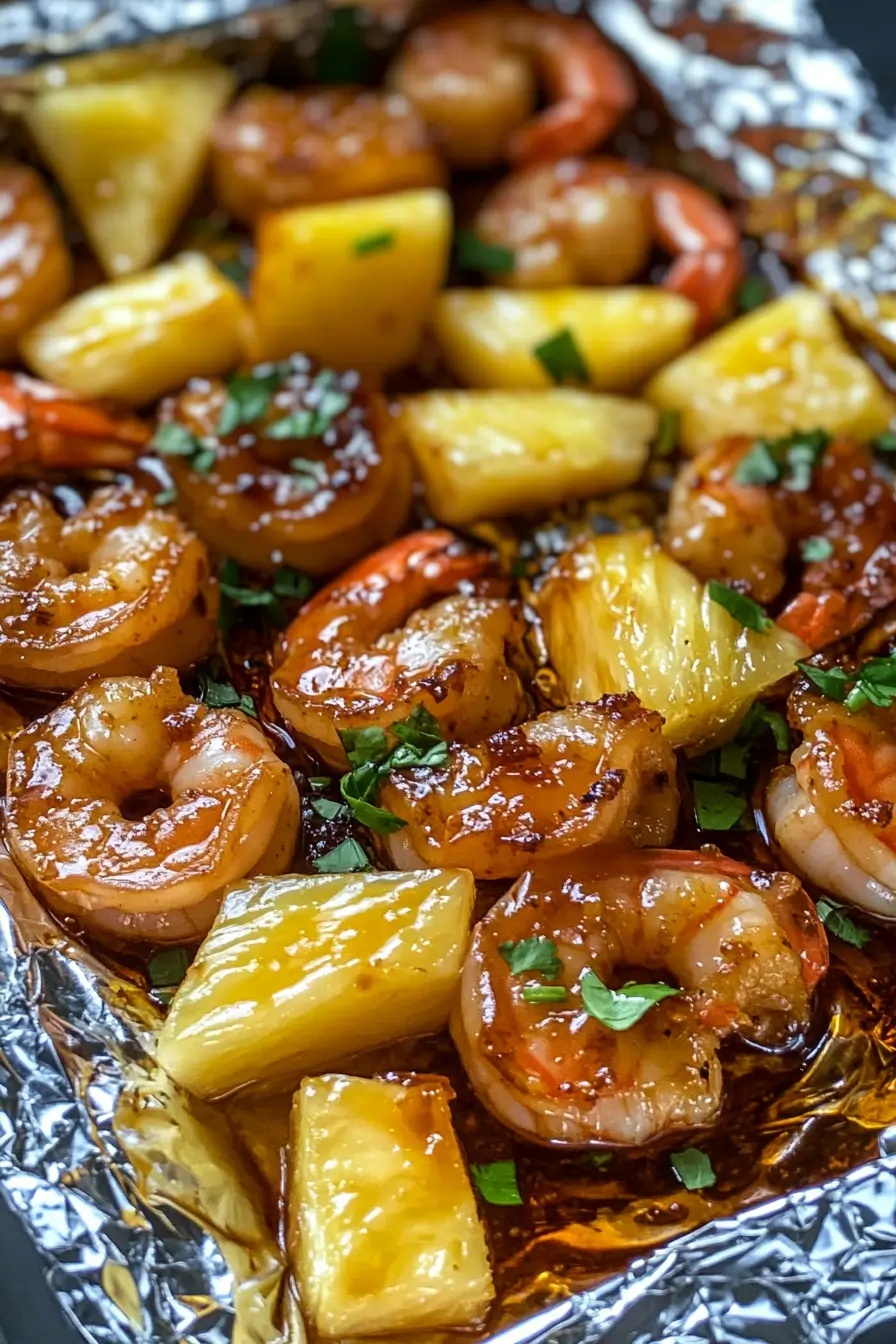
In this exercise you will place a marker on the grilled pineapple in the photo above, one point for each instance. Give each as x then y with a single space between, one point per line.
620 615
484 454
351 283
383 1230
143 335
299 973
488 336
130 152
782 368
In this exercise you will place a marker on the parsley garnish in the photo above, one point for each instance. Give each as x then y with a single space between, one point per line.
718 805
874 683
496 1181
287 583
816 548
561 358
320 781
327 401
249 396
600 1160
475 254
348 857
667 434
693 1168
329 809
374 242
791 460
620 1009
236 271
358 788
419 744
757 467
718 779
544 993
838 923
885 443
343 55
532 954
175 440
753 293
165 497
760 718
167 967
223 695
749 613
292 584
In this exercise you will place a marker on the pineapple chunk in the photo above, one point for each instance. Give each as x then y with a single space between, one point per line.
299 973
487 336
143 335
130 152
383 1229
620 615
484 454
351 283
782 368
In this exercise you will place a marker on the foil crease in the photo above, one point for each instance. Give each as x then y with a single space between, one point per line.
150 1223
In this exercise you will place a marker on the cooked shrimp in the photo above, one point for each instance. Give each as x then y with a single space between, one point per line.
35 263
313 479
723 529
275 148
362 652
131 807
833 809
43 428
745 948
475 77
583 775
594 221
120 587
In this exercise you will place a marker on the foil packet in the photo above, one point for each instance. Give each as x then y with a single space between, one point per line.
151 1222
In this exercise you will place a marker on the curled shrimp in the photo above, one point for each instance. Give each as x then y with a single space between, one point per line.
35 263
367 649
475 77
723 529
583 775
312 480
131 807
44 428
594 221
833 809
276 148
121 586
745 949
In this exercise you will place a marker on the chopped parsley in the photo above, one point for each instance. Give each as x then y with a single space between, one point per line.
718 805
561 358
667 434
791 460
374 242
343 55
236 271
327 402
175 440
369 753
600 1160
475 254
885 443
719 778
165 497
759 719
874 683
837 922
753 293
223 695
329 809
320 781
496 1182
544 993
167 967
249 396
287 583
347 857
292 584
693 1168
816 548
532 954
744 610
620 1009
757 467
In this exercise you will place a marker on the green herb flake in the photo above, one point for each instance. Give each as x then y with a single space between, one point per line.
744 610
292 584
167 967
885 443
718 806
667 435
832 682
544 993
236 271
561 358
837 922
802 455
329 809
532 954
175 440
475 254
496 1182
374 242
757 467
600 1160
693 1168
733 759
348 857
365 744
248 397
753 293
760 719
620 1009
357 788
217 694
816 548
237 593
320 781
343 55
165 497
792 460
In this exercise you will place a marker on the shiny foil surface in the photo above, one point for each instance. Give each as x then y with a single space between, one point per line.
152 1222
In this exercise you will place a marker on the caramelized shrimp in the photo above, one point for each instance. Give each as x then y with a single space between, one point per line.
745 950
43 428
132 806
35 263
312 474
121 586
583 775
833 809
367 649
275 148
475 77
723 529
594 221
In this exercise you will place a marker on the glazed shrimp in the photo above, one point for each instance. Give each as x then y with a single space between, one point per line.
121 586
594 221
746 950
583 775
475 76
35 263
131 807
313 480
43 428
367 649
276 148
833 809
723 529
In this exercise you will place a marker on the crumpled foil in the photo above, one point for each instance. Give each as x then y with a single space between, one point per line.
151 1225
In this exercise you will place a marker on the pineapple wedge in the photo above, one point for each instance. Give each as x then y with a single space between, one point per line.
486 454
488 336
143 335
299 973
130 152
383 1231
351 283
620 615
782 368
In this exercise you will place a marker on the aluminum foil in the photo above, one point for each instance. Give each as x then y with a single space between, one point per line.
151 1224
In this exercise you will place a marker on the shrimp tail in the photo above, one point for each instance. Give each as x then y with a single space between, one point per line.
824 617
45 427
709 280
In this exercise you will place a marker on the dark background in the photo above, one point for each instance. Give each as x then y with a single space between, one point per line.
28 1315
